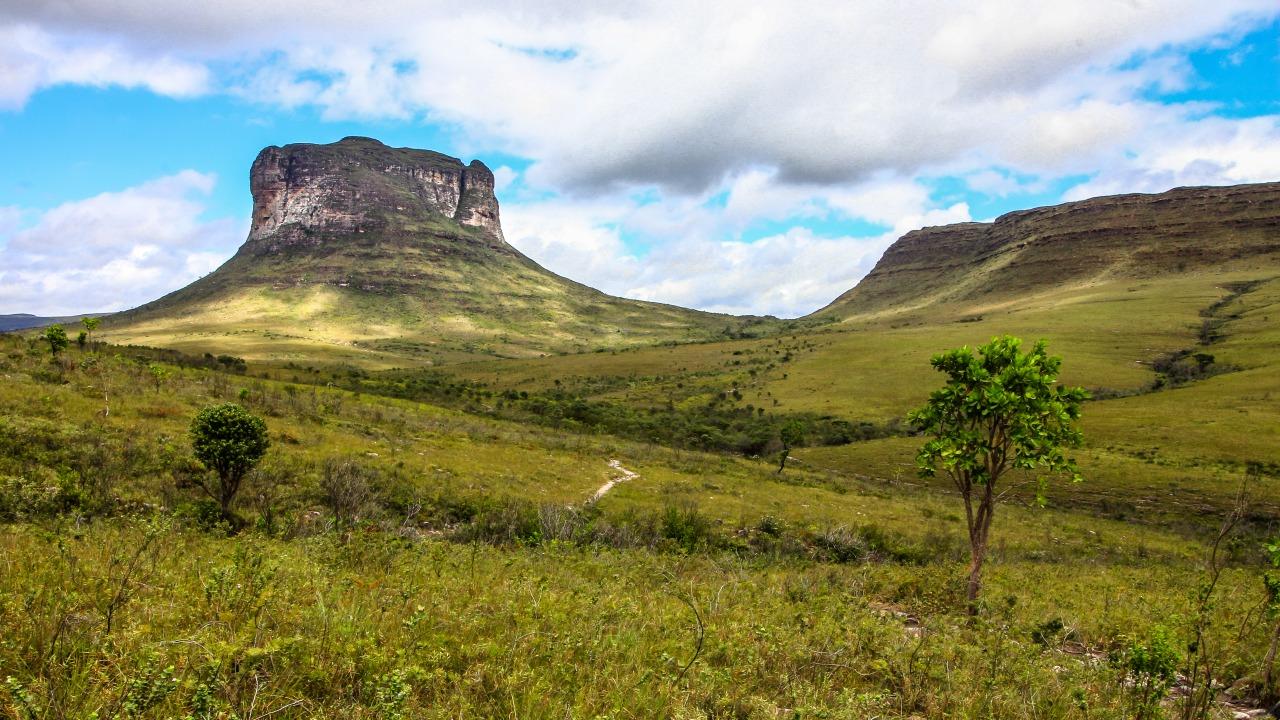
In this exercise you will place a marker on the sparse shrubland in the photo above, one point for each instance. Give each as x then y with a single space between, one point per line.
720 423
397 559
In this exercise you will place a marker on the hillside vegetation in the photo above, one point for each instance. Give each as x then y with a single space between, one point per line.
475 577
364 254
1164 431
976 267
492 492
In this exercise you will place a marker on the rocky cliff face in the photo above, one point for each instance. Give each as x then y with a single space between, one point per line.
359 252
311 195
1118 236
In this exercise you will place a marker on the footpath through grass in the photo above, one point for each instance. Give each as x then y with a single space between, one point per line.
471 581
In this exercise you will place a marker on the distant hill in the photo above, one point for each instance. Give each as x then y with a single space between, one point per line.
24 321
359 252
971 265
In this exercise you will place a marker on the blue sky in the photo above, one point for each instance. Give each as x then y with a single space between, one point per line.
734 157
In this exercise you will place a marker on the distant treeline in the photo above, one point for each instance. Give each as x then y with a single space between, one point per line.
714 426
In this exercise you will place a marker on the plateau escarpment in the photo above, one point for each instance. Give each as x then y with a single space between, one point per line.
359 252
301 192
1105 238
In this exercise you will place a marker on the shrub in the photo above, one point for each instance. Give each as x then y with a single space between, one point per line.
1147 671
56 336
687 526
228 440
504 522
346 489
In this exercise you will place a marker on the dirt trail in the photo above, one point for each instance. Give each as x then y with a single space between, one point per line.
623 476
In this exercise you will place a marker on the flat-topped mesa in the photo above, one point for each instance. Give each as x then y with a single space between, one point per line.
1028 251
305 194
359 252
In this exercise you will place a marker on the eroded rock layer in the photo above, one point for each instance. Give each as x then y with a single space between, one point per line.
1118 236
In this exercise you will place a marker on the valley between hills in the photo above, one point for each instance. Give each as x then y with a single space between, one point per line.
492 491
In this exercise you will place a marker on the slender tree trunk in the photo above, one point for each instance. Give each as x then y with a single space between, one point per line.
227 493
1269 664
783 464
978 554
978 551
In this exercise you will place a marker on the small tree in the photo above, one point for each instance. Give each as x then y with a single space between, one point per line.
791 434
228 440
159 373
56 336
90 324
1000 410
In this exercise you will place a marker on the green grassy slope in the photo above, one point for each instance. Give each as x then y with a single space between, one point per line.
381 269
1192 439
431 609
977 267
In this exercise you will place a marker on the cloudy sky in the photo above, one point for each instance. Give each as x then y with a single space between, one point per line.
731 156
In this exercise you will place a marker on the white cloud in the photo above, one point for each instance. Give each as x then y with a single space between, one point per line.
32 59
10 219
113 251
1211 151
503 177
727 113
680 255
665 92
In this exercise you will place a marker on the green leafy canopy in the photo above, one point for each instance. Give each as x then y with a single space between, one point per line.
228 439
56 336
1000 409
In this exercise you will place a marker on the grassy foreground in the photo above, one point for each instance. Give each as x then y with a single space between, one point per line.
475 580
376 626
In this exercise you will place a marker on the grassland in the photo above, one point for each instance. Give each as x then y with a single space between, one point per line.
478 581
425 538
1147 450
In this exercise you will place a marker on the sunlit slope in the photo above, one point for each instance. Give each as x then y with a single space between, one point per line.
379 256
1145 448
426 451
986 267
1109 333
1158 452
508 310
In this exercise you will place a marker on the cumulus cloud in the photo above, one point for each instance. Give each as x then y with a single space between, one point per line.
1212 151
503 177
675 251
660 132
32 59
112 251
671 93
10 218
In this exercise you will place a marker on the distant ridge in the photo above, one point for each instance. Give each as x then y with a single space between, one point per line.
25 321
1137 235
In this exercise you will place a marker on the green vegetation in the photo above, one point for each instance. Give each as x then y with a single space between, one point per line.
229 441
400 559
1000 411
56 336
791 435
422 511
1147 457
718 421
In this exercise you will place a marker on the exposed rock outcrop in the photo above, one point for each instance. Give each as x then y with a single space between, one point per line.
364 252
307 194
1117 236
